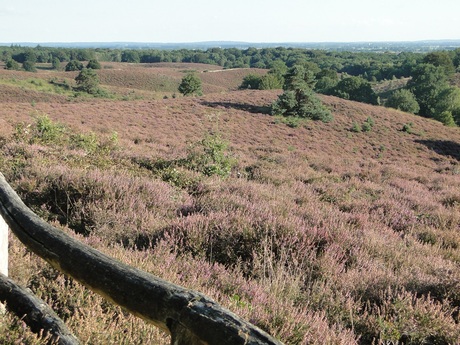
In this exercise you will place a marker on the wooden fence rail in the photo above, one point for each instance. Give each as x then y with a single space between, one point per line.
35 312
189 317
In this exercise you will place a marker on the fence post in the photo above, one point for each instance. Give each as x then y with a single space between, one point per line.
3 253
3 247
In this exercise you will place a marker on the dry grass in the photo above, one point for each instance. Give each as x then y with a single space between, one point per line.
320 235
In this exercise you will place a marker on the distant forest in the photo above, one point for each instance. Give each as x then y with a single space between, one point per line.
368 64
429 84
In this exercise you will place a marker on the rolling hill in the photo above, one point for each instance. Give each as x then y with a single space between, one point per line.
320 234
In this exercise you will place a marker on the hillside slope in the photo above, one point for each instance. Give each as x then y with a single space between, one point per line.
319 235
125 81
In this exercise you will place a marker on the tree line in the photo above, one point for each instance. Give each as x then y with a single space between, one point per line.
370 66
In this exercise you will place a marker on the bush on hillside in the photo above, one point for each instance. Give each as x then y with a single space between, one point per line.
12 65
251 81
29 66
427 83
210 156
355 89
93 64
298 99
446 118
325 85
303 104
269 81
190 85
88 81
403 100
56 63
74 65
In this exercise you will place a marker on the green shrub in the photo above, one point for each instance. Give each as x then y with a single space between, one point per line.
366 127
403 100
251 81
87 142
271 82
210 157
88 81
190 85
303 104
355 89
407 127
368 124
177 177
47 131
12 65
299 99
291 121
56 63
93 64
74 65
446 118
356 127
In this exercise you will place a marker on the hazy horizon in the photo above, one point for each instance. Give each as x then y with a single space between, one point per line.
232 41
293 21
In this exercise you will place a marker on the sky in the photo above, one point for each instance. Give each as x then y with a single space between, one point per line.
174 21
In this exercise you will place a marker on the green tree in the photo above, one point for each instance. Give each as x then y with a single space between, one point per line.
327 79
278 68
326 85
29 66
441 59
298 77
251 81
190 85
427 83
326 72
12 65
93 64
88 81
448 101
298 99
74 65
56 63
130 56
29 58
446 118
303 104
271 82
403 100
355 89
456 58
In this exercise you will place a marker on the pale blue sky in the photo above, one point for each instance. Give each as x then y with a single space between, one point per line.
230 20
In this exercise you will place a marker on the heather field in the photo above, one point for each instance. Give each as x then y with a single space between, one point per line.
320 234
123 81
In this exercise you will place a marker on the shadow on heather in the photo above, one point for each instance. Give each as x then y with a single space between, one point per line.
255 109
443 147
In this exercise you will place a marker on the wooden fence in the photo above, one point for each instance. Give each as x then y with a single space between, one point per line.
188 316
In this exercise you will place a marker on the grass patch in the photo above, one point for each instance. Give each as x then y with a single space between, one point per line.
53 86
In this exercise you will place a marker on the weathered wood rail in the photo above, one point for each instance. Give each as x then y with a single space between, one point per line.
36 313
189 317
